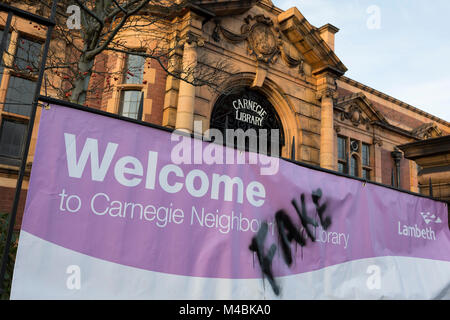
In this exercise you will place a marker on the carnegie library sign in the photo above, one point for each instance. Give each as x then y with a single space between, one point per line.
245 108
249 111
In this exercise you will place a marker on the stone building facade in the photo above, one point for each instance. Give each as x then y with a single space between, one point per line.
279 63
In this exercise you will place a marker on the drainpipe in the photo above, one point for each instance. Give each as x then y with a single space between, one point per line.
397 156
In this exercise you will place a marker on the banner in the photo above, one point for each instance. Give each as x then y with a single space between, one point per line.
117 210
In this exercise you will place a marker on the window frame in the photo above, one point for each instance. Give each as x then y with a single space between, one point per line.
366 167
24 36
9 72
343 162
361 168
125 70
9 159
130 86
121 101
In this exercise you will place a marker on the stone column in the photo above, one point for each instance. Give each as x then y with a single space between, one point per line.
186 95
327 141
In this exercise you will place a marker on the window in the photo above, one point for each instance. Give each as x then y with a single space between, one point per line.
6 48
366 154
131 88
342 154
342 148
28 55
12 138
18 100
134 70
354 157
130 101
19 96
354 166
366 161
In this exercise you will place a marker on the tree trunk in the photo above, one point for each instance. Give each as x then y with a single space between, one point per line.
81 85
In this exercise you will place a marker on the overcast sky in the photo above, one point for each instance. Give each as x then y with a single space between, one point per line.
399 47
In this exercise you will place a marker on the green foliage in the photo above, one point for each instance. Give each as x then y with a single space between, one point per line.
12 254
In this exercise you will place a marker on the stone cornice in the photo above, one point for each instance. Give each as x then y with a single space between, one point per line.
312 46
329 27
426 148
226 7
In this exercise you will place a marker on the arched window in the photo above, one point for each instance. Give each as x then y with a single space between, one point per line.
354 166
248 109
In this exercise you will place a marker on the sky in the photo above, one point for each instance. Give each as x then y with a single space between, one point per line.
399 47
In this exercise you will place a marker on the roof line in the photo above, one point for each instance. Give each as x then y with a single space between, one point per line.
394 100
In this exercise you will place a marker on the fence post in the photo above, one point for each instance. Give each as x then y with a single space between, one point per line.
13 214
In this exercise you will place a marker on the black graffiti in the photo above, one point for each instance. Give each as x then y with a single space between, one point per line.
325 222
289 232
265 261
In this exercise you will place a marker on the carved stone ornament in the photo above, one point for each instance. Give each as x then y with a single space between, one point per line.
264 39
327 93
192 38
377 142
355 115
337 128
427 131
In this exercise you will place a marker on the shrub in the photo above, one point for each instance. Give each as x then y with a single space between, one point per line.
12 254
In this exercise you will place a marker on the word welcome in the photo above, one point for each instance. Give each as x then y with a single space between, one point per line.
129 172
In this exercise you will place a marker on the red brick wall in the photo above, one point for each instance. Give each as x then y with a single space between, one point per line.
386 171
6 202
391 114
387 164
387 112
405 180
97 84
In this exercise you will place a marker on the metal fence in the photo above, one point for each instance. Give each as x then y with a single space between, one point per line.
50 24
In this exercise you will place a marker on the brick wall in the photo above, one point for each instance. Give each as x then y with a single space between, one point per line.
405 171
387 166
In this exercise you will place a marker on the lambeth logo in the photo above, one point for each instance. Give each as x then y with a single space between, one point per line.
428 218
417 232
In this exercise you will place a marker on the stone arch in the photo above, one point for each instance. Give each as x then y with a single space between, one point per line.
280 102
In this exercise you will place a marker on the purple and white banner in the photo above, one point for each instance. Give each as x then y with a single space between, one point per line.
117 210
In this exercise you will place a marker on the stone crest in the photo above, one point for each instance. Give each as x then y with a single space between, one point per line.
355 115
262 42
264 39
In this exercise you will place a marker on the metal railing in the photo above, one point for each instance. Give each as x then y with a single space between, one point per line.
50 24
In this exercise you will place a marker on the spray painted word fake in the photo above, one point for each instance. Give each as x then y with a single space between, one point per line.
288 232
